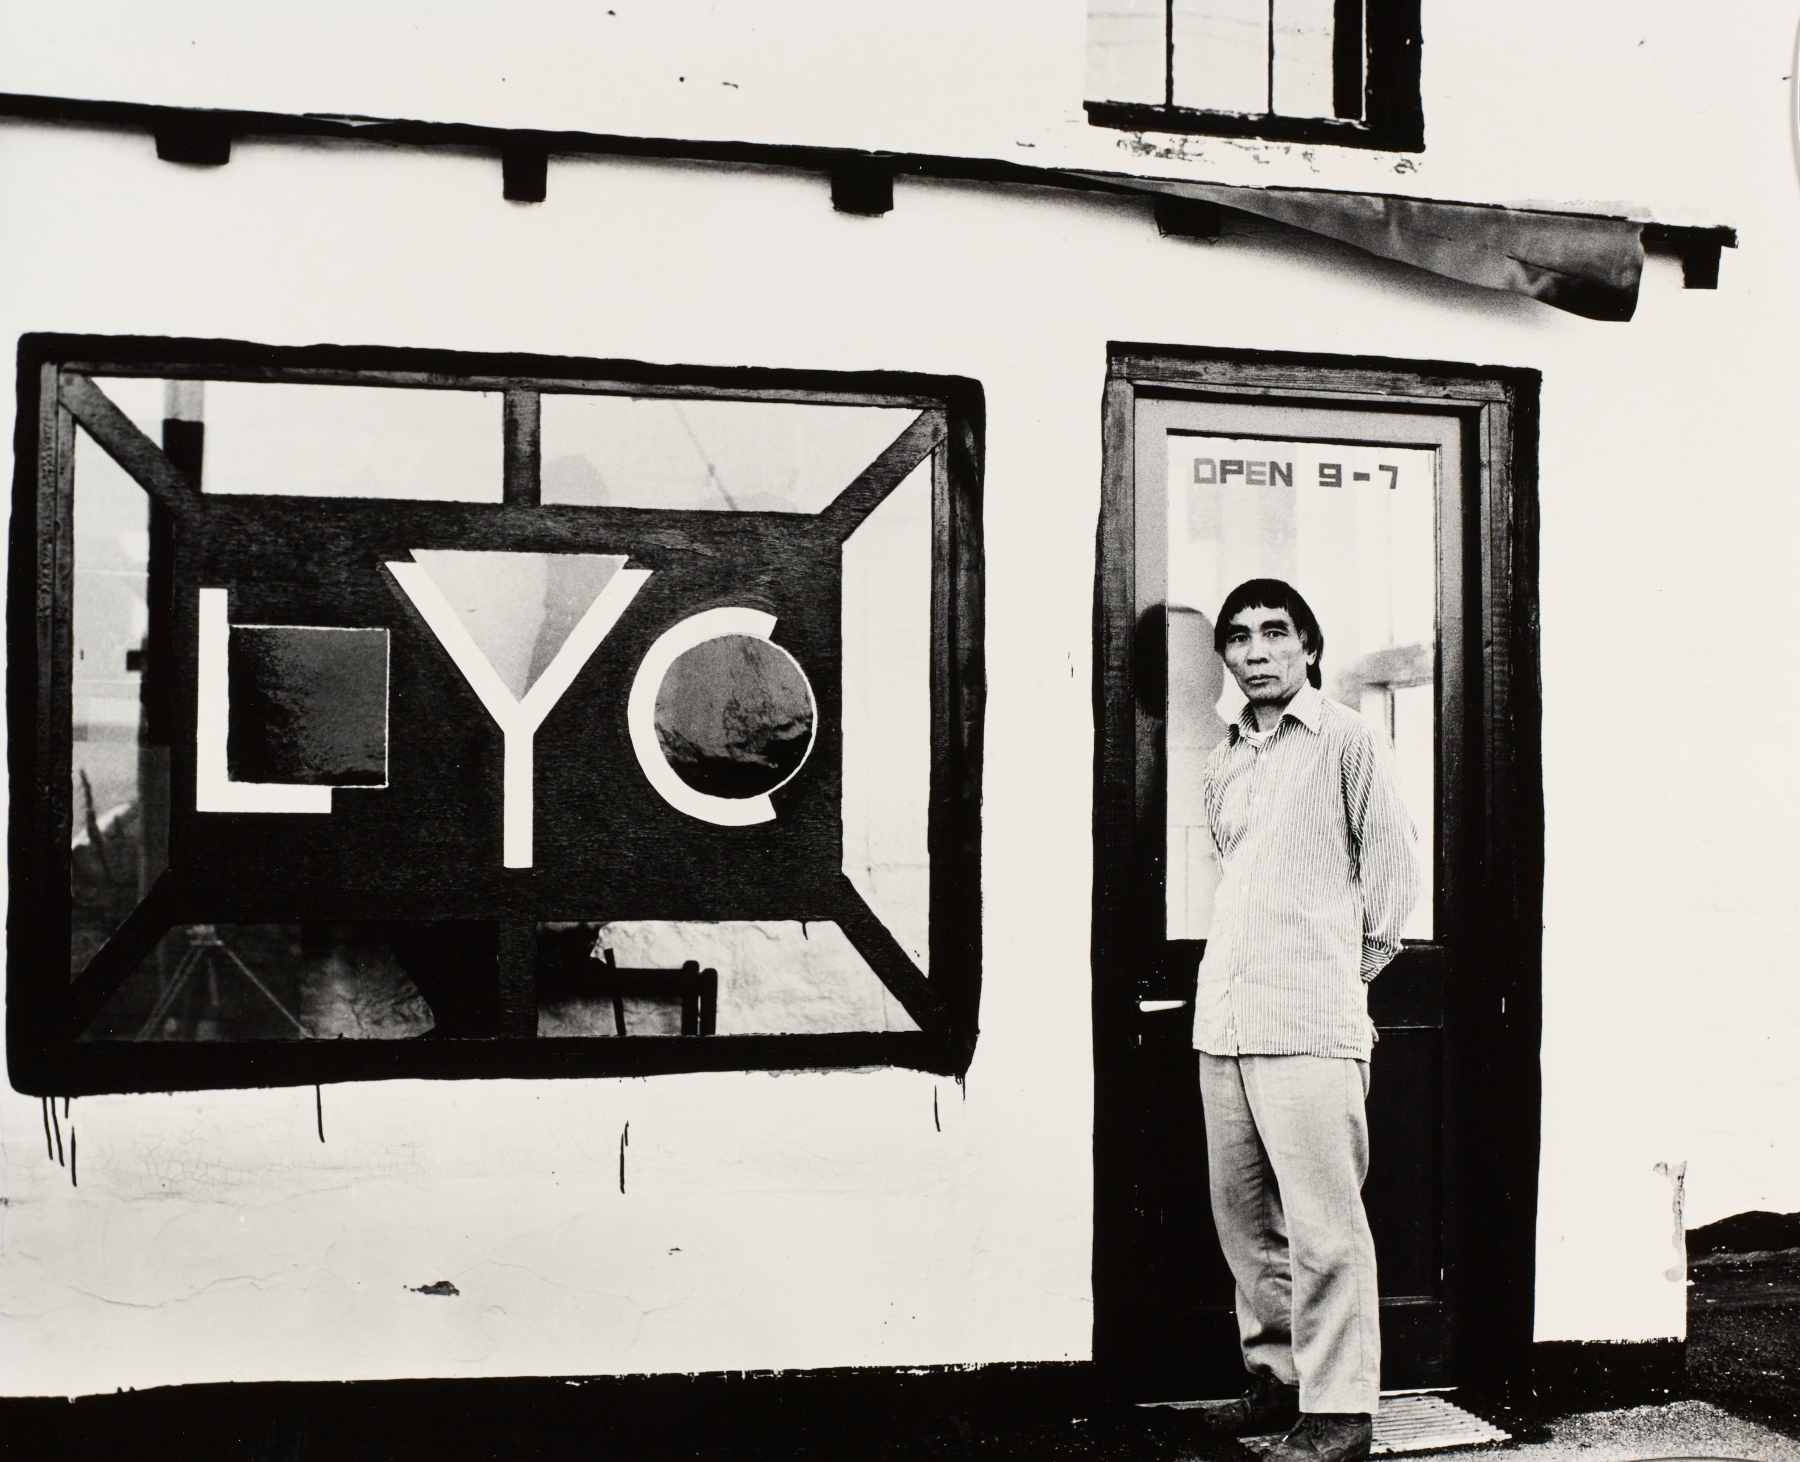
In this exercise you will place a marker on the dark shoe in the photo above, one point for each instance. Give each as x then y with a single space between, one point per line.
1268 1406
1326 1436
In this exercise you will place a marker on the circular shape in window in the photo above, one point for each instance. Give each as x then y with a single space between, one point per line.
735 716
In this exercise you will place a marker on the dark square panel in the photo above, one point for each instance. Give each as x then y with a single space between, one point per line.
308 705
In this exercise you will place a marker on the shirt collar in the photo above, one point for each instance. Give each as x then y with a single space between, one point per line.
1306 708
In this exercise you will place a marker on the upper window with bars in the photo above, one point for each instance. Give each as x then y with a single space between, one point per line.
1344 72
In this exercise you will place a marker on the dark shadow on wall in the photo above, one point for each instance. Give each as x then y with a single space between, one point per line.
999 1413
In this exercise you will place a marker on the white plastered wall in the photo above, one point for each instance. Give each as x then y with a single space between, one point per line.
1612 102
825 1219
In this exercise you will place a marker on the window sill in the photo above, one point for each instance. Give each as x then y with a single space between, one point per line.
1394 136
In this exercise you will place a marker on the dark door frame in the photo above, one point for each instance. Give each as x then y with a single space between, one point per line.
1492 842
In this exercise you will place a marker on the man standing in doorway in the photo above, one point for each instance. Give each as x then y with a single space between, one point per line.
1320 873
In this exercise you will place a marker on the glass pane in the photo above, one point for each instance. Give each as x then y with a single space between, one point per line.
1127 54
120 792
724 456
307 705
887 712
1353 528
1413 708
519 608
352 441
778 977
1221 61
1302 78
734 716
267 982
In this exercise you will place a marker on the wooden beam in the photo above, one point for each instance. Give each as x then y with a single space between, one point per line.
864 187
872 939
518 979
524 170
884 474
121 955
198 139
1187 218
523 452
118 435
1697 248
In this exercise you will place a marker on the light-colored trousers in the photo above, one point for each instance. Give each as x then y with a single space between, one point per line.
1288 1146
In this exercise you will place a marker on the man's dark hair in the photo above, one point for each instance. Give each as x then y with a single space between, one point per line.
1273 594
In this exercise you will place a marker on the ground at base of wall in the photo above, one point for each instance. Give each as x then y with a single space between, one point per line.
233 1431
1741 1355
1743 1345
273 1427
1677 1429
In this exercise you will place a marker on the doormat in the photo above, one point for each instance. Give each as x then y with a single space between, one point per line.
1416 1422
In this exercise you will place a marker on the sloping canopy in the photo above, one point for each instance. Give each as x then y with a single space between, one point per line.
1586 264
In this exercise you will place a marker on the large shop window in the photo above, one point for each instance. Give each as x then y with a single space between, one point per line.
393 713
1344 72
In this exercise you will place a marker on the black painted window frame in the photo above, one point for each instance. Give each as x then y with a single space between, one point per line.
1391 119
46 1008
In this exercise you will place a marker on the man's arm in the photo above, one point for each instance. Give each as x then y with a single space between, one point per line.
1386 847
1209 791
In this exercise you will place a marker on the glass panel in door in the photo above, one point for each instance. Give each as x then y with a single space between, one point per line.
1350 525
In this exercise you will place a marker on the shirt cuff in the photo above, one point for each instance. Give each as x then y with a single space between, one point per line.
1375 958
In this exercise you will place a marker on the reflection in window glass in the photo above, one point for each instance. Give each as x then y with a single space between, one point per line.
352 441
1220 54
887 712
734 716
1353 528
1193 727
1127 52
267 982
583 990
1251 57
119 792
519 608
719 456
1414 727
1301 66
779 977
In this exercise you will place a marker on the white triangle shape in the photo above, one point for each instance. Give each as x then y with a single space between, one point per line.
519 608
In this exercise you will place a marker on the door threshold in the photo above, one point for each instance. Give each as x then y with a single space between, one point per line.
1416 1421
1190 1404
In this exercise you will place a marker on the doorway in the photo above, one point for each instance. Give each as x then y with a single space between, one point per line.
1394 500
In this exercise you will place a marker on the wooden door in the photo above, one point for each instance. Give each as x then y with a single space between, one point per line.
1360 505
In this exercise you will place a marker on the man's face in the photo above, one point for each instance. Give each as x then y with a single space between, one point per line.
1266 655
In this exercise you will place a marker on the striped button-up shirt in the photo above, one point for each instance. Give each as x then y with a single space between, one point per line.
1320 873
